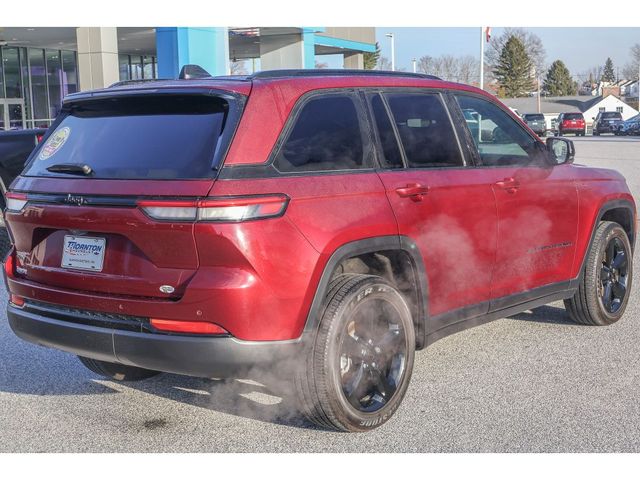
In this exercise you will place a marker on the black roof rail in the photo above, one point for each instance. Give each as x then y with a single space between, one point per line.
318 72
133 82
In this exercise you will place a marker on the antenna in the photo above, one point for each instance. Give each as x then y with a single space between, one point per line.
193 71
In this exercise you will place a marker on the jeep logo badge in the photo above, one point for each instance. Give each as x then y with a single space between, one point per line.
75 200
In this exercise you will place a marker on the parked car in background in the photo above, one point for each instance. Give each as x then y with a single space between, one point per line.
536 122
630 126
15 147
606 122
572 122
180 226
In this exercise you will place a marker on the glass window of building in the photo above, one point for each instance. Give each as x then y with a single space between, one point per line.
54 80
136 67
69 72
12 77
147 62
2 95
125 71
39 97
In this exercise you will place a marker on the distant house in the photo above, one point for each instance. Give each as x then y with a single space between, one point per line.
551 107
631 90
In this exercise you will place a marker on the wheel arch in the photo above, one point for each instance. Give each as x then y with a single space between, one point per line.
398 255
621 211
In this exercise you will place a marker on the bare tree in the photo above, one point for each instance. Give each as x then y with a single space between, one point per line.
237 68
532 45
630 70
425 64
456 69
468 69
383 64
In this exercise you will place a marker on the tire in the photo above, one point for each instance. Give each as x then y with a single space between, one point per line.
358 368
5 242
605 286
117 371
595 133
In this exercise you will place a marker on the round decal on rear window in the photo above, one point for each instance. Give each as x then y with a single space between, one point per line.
54 143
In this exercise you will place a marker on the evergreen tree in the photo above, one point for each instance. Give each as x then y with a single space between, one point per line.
513 70
609 75
371 58
558 81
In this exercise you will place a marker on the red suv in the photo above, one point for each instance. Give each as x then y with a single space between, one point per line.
571 123
320 224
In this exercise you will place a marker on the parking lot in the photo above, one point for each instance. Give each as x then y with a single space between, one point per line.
534 382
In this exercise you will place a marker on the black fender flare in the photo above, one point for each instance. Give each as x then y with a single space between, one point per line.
607 206
371 245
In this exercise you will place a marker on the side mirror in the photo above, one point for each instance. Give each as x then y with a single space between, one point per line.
560 150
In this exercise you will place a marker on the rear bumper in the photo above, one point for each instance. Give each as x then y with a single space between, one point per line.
607 128
182 354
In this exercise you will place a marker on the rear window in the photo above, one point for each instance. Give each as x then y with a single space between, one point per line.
136 137
609 115
533 116
573 116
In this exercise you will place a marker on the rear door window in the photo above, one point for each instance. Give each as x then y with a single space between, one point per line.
137 137
425 130
325 136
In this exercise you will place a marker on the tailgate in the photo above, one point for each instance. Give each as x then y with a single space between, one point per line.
75 216
135 256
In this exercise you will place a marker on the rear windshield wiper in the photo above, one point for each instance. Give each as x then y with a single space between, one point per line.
71 168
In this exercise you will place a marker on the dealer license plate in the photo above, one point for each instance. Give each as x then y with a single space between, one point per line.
84 253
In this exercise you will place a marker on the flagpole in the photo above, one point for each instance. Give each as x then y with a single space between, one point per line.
481 58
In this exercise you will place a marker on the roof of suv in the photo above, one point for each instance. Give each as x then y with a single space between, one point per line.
302 79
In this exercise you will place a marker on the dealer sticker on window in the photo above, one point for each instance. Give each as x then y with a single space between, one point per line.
85 253
54 143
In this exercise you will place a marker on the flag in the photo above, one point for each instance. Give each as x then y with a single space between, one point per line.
487 31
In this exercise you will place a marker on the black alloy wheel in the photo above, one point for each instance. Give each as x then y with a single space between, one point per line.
614 275
372 355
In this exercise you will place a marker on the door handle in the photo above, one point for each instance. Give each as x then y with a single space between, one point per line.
510 184
414 191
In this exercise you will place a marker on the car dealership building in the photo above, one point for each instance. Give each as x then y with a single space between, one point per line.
39 66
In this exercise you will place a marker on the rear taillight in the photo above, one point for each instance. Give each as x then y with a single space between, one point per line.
16 300
9 264
229 209
16 201
180 326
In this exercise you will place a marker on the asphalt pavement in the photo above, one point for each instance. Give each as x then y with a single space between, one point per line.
534 382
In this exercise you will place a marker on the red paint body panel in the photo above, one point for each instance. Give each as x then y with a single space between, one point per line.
537 228
454 225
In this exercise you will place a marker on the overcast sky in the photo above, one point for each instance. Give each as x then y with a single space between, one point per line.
579 48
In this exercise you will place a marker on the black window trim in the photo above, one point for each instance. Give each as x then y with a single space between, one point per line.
467 159
475 150
368 95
